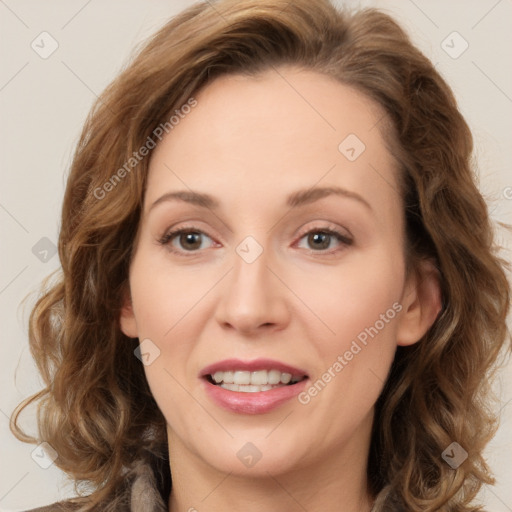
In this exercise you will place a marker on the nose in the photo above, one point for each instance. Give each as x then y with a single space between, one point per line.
253 298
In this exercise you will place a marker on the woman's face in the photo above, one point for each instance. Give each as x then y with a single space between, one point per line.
295 259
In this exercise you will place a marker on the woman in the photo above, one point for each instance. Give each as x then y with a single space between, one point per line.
279 288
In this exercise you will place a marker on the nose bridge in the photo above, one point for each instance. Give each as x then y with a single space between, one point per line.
253 296
250 272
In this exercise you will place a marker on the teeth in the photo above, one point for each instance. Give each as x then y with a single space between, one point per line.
242 378
257 379
274 377
251 388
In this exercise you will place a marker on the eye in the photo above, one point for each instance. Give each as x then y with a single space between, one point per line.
192 240
322 240
185 240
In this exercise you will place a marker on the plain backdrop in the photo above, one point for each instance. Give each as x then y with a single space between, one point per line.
44 102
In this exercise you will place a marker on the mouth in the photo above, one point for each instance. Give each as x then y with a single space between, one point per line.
258 375
252 387
253 381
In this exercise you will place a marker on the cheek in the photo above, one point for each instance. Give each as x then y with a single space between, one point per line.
163 303
352 296
174 397
163 294
355 340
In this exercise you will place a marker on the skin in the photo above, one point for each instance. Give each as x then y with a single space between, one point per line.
250 142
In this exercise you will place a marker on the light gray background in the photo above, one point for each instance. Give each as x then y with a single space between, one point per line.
44 103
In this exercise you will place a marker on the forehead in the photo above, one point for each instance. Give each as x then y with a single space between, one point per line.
284 129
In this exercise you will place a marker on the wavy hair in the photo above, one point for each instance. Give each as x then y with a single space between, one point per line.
97 410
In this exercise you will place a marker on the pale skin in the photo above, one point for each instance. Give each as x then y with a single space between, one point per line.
250 143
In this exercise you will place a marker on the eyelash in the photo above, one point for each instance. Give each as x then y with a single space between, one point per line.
170 235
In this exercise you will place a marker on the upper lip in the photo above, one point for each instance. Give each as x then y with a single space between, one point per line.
251 366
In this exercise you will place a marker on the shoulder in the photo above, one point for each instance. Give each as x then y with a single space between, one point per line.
55 507
141 495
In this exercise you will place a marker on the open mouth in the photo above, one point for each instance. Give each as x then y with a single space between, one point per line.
253 382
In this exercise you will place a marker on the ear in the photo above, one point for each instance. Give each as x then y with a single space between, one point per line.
421 303
127 316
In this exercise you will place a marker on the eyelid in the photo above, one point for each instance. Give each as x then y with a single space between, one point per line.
172 232
330 229
344 240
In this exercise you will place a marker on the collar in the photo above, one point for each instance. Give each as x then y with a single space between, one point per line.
144 493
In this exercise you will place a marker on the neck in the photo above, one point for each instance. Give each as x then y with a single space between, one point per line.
335 480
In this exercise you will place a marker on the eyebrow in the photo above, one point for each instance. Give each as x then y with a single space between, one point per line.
294 200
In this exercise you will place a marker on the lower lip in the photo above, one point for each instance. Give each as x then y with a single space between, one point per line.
253 403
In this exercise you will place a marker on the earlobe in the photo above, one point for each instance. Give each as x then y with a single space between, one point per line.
127 321
421 302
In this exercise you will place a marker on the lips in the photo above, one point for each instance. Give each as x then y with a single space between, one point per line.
252 387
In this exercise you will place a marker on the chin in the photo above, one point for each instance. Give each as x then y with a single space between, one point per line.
255 456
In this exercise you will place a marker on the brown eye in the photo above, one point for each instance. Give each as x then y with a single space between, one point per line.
319 240
185 240
323 240
190 241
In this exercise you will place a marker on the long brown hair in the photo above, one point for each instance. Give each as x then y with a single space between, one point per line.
97 411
